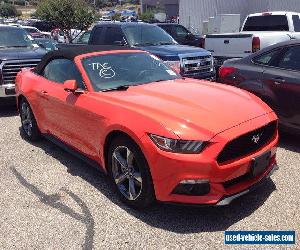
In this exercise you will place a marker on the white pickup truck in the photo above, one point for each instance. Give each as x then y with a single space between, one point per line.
258 31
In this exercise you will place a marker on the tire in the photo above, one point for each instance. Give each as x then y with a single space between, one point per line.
132 178
29 125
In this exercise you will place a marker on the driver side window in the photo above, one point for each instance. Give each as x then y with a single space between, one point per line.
180 31
60 70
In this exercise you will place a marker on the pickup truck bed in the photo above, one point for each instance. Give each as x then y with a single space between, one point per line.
259 31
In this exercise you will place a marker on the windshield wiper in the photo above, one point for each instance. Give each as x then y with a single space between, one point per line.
119 88
17 46
166 43
144 44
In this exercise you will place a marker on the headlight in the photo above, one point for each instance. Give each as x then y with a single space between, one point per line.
172 64
178 146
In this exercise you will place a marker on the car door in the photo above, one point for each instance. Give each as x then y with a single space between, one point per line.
251 71
282 81
66 117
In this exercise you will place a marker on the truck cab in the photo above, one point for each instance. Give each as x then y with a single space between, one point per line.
193 62
181 34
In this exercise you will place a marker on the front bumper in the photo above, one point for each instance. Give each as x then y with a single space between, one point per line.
205 76
227 200
7 90
170 169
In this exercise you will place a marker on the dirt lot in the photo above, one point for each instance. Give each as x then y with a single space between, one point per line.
51 200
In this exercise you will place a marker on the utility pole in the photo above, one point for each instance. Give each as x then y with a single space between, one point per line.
142 9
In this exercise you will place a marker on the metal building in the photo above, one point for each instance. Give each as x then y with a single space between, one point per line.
171 7
192 13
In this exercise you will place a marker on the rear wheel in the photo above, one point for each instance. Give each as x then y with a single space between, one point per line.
130 173
29 125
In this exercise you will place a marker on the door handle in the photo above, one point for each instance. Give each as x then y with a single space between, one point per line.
44 94
278 81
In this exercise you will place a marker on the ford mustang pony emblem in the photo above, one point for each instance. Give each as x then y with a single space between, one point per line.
256 138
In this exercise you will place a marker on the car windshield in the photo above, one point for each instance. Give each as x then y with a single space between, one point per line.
125 69
147 35
15 38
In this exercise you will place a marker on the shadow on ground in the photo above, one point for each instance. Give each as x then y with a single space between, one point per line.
8 107
179 219
54 201
290 142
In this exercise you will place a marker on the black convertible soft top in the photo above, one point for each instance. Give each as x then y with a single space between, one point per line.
73 51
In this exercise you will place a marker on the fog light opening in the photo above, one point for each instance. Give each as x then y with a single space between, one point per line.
192 187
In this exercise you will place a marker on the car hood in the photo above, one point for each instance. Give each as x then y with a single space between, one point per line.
174 52
188 107
21 53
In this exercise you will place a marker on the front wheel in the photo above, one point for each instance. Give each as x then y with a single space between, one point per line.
130 173
29 125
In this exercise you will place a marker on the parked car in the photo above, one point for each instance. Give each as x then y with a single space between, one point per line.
61 37
273 74
35 33
17 50
190 61
43 26
258 31
46 43
157 135
181 34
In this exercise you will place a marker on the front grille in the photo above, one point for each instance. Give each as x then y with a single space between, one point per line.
248 143
11 68
196 64
194 72
197 58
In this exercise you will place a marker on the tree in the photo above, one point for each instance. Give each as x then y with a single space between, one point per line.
8 10
116 17
66 14
147 16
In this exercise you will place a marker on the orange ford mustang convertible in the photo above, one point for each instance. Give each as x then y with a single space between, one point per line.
158 136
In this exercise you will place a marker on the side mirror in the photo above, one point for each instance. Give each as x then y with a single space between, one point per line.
70 86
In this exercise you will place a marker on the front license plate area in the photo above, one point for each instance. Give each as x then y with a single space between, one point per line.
260 164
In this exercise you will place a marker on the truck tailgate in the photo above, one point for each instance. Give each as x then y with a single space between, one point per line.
229 45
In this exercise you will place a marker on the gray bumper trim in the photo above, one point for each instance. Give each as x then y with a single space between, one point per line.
227 200
4 87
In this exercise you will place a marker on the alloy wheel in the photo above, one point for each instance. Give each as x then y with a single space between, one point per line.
26 118
126 173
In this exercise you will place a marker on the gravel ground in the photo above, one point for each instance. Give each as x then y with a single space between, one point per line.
51 200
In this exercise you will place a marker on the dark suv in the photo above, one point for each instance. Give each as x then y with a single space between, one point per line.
181 34
17 50
192 62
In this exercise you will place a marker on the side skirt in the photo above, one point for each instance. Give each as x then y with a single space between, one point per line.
73 152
